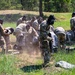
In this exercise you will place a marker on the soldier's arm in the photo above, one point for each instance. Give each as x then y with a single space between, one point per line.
49 38
2 31
35 33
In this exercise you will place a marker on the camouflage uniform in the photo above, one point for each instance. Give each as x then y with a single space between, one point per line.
60 32
72 22
44 41
1 38
9 31
20 20
19 32
32 35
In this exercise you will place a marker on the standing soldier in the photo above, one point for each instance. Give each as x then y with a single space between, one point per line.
72 22
45 39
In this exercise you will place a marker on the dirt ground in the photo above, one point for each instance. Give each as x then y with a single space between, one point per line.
4 12
29 55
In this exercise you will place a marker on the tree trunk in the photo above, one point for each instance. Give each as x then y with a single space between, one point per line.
40 8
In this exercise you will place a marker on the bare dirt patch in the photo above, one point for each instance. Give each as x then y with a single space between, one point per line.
18 12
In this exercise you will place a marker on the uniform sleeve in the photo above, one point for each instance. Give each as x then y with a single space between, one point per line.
2 32
19 21
35 33
72 24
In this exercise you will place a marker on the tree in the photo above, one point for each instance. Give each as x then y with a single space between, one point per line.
29 4
5 4
73 5
62 6
40 8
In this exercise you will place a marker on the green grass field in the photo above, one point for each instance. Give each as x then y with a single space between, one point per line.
8 63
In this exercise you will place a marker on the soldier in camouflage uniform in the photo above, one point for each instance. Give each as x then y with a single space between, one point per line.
1 39
4 35
45 39
21 20
72 22
61 34
19 33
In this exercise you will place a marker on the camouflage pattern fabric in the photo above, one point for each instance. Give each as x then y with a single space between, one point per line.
1 39
72 23
60 32
20 32
44 43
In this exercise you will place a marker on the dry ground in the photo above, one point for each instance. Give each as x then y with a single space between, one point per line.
29 55
17 12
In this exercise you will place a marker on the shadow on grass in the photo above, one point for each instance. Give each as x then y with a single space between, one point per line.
15 17
31 68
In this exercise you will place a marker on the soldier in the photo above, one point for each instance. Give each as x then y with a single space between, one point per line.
8 30
4 35
60 32
32 34
45 38
35 24
54 43
72 22
1 34
22 19
70 35
19 32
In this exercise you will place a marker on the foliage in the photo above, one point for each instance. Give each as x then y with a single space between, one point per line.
29 4
73 4
33 5
10 4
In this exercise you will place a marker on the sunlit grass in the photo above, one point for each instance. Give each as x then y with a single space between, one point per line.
9 24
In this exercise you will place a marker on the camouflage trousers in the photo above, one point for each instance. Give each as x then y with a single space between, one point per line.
2 44
8 43
45 51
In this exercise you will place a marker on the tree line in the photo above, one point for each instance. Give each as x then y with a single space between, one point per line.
34 5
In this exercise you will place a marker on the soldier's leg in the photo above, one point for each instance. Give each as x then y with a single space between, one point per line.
45 52
21 43
2 45
7 41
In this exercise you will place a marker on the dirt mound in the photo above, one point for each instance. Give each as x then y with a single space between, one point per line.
28 57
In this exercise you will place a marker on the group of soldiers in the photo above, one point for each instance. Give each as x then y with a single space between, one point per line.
37 32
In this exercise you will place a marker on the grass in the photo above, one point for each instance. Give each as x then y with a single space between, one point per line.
8 63
9 24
